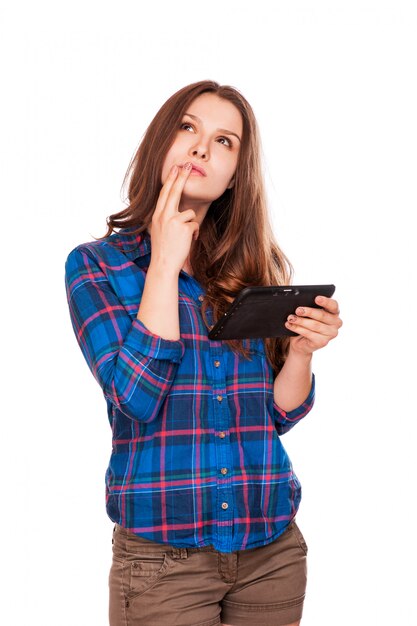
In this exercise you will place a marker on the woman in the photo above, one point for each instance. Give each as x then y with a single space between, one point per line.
201 490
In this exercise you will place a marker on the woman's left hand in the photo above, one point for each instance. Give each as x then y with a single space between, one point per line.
315 327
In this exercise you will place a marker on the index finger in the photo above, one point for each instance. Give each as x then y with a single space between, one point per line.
330 304
165 189
170 194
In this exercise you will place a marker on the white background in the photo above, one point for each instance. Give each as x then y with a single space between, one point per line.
333 86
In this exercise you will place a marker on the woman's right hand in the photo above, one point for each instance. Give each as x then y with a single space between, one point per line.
172 231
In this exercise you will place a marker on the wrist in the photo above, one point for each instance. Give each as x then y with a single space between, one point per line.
163 269
302 357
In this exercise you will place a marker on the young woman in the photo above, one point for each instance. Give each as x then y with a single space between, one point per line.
199 486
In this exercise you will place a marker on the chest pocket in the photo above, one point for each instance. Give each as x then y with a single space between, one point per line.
190 318
262 368
257 346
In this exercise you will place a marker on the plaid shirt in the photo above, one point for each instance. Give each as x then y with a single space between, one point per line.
196 457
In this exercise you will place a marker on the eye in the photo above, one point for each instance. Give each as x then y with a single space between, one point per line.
229 142
186 124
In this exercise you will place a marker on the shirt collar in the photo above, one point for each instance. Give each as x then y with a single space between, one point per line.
133 245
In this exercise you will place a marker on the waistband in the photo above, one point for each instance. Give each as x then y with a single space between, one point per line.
177 552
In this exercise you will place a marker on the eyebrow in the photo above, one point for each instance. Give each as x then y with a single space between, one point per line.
219 130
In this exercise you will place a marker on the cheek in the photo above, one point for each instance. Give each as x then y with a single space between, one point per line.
167 164
173 157
230 164
164 173
228 173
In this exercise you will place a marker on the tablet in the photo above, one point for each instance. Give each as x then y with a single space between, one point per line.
261 312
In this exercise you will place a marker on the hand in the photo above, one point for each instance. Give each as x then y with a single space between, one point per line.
172 231
315 327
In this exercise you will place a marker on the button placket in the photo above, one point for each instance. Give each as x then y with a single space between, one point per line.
222 445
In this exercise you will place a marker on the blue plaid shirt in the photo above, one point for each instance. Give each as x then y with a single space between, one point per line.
197 457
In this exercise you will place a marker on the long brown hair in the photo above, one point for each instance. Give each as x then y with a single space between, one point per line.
236 246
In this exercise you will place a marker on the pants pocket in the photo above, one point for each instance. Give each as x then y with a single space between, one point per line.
299 537
138 564
144 571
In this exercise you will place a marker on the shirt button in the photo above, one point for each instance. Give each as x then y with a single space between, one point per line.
219 398
216 363
222 435
201 297
225 505
224 470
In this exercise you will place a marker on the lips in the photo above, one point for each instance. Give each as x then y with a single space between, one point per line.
197 169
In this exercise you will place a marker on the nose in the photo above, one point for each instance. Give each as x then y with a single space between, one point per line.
199 150
198 153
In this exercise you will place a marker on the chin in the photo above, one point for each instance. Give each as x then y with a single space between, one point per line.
195 197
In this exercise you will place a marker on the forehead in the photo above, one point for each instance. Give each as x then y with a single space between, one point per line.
217 111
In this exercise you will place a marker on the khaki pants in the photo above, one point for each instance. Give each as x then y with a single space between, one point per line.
153 584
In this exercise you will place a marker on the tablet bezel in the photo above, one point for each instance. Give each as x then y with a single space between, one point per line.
284 300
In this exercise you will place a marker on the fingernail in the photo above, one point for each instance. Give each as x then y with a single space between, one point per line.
187 166
300 311
291 318
174 169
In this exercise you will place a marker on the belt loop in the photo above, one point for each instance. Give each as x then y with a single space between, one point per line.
179 553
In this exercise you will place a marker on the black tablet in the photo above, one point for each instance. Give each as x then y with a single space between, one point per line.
260 312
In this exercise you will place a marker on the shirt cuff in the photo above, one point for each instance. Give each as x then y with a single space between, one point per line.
302 410
144 341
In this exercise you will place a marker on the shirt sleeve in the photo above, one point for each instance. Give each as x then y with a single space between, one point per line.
285 420
134 367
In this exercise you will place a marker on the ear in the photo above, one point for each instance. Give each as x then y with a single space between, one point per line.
231 184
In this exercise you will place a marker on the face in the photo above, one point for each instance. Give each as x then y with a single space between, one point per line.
209 136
